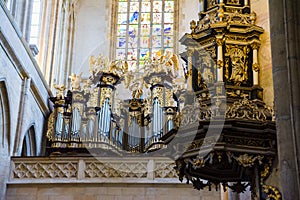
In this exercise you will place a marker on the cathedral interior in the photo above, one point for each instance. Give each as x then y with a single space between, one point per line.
149 99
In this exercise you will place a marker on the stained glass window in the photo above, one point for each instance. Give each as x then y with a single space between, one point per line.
145 28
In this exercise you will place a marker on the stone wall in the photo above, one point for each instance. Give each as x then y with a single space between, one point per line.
108 192
24 94
74 178
92 32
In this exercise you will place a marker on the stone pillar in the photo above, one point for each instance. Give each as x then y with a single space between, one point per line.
285 42
21 128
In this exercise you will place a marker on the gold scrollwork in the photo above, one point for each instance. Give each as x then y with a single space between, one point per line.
220 41
158 92
211 3
106 93
255 45
226 68
235 2
50 130
247 160
256 67
169 98
272 192
77 97
220 64
247 109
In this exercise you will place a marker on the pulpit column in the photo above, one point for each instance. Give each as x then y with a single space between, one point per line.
255 65
220 62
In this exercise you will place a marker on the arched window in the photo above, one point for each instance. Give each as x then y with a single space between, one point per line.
4 119
29 143
145 28
35 22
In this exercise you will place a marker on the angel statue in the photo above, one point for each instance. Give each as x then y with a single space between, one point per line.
137 88
172 65
76 80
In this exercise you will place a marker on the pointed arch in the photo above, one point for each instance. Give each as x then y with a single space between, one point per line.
29 143
4 118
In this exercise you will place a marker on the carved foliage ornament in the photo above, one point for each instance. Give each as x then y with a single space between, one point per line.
247 109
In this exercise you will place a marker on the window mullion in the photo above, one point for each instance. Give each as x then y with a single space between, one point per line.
139 35
162 26
127 30
151 30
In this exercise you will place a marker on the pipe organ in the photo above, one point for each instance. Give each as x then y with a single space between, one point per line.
91 115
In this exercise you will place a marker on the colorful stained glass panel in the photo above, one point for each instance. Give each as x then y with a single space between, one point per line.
121 30
145 29
134 7
145 42
168 29
132 54
169 6
168 41
122 7
157 6
132 42
156 29
133 31
157 18
144 54
146 18
146 6
121 42
134 17
122 18
169 18
156 41
120 54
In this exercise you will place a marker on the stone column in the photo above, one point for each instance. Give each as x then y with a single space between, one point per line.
285 42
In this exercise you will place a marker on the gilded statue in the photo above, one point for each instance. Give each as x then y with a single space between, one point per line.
60 91
239 66
137 88
98 63
166 63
